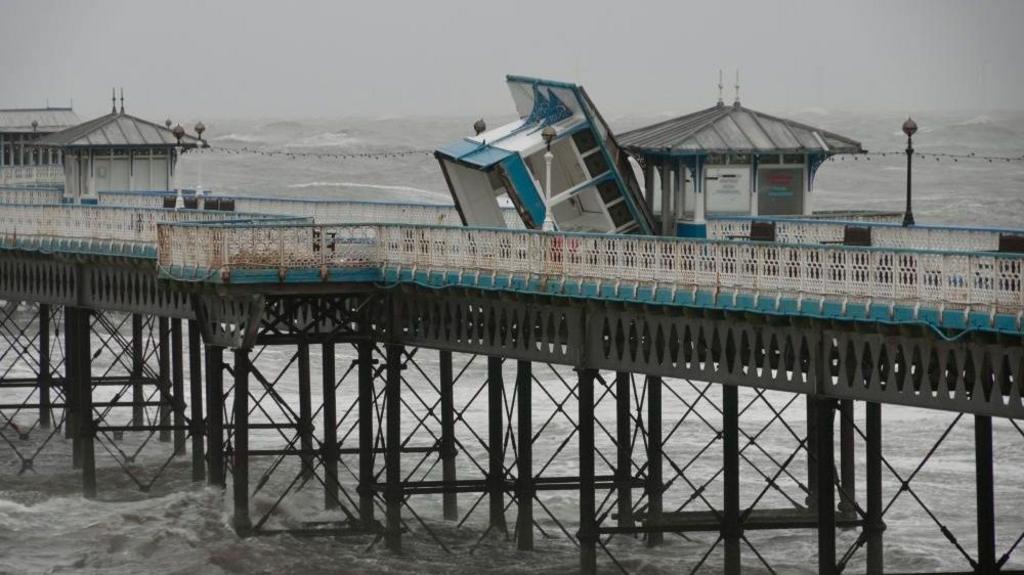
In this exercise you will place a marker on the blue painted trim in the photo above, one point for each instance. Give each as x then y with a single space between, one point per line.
524 188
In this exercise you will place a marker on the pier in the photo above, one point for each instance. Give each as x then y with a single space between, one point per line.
648 338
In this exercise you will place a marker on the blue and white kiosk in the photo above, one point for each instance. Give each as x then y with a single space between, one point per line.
590 192
729 160
726 160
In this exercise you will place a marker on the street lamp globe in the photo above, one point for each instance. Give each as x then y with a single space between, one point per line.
909 127
548 134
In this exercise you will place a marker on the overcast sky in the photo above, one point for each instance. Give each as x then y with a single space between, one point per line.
265 58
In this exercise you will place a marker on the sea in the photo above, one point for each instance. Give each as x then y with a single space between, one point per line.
178 527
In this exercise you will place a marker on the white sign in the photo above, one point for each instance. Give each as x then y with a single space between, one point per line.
728 190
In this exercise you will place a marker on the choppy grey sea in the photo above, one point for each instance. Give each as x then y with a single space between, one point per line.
177 527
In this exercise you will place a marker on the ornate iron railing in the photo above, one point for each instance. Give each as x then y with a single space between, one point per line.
324 211
881 234
27 225
31 175
938 279
31 194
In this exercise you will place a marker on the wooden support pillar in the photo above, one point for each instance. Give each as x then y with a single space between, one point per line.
826 504
731 530
449 499
195 382
984 489
45 377
138 360
588 509
624 451
367 483
240 459
667 222
215 415
524 484
164 377
330 455
873 524
495 444
392 447
305 412
847 461
178 386
654 478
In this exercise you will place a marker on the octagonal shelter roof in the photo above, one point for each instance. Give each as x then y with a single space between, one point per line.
115 129
734 129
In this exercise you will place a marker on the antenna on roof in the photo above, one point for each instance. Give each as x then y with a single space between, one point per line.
720 101
737 102
122 100
113 100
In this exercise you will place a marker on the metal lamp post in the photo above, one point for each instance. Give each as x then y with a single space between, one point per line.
200 128
549 136
179 202
909 128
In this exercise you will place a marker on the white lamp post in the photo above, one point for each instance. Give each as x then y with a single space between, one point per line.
200 128
549 135
179 202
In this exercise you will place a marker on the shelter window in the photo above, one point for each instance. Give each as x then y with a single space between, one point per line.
793 159
609 191
596 164
585 140
620 214
739 159
768 159
716 159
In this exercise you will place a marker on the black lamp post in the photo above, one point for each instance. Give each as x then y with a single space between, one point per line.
909 128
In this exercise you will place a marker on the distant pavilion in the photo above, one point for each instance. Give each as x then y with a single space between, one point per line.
22 163
116 152
745 162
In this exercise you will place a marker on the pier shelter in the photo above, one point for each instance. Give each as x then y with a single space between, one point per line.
730 160
116 152
21 163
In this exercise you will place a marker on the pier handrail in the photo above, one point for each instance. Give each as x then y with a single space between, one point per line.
26 224
324 210
790 230
941 279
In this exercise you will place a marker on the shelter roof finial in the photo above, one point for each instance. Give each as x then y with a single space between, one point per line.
737 102
720 101
122 100
113 100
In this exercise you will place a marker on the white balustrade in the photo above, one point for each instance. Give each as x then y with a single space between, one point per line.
988 280
324 211
30 195
883 235
100 224
21 175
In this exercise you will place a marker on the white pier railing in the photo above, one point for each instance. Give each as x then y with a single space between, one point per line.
134 227
20 175
913 277
324 211
882 235
30 195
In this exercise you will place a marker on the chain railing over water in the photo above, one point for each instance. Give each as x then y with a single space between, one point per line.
912 277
